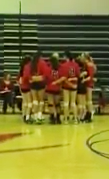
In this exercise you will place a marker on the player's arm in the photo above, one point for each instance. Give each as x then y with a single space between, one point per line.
43 71
59 81
86 79
95 79
72 79
84 73
71 85
62 74
89 73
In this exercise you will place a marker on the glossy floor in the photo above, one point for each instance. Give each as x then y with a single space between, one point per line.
53 152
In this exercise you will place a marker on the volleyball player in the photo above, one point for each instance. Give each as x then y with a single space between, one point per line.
53 90
38 82
24 81
81 90
91 69
70 73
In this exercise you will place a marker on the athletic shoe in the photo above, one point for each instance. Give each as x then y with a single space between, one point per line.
58 119
66 121
76 121
52 119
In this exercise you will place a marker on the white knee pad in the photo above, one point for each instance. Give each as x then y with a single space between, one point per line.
30 105
25 104
41 103
89 103
80 106
65 104
35 103
73 105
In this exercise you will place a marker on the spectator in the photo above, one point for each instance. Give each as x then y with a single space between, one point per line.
6 89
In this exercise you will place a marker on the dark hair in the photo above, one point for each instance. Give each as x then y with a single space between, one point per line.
78 58
68 54
26 59
6 74
35 61
54 62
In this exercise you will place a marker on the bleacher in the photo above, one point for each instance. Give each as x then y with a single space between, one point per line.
20 37
1 46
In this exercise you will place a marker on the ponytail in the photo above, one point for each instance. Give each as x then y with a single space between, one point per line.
34 62
24 61
87 56
54 62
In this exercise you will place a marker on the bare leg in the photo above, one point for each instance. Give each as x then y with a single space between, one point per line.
73 95
52 109
66 99
35 103
41 103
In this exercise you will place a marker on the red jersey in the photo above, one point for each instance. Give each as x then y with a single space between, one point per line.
70 69
52 76
41 68
91 71
25 79
6 85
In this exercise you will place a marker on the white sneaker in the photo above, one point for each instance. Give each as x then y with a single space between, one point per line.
76 121
27 117
65 122
35 117
39 115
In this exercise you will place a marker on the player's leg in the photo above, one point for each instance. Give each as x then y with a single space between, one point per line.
81 101
24 105
83 98
57 105
66 100
41 94
5 103
73 106
35 103
29 108
89 104
51 106
79 106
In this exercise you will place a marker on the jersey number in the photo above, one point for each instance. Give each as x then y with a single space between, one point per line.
71 72
55 74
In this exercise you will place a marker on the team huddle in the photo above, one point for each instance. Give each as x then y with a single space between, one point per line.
72 80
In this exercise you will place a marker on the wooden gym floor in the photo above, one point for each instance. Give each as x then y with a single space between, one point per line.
54 152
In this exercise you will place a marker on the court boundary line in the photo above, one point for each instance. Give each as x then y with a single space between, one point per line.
90 144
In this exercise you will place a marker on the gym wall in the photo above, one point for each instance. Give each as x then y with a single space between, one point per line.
56 6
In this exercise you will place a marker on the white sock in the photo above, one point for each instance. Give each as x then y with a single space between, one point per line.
84 113
27 117
92 114
35 116
39 115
